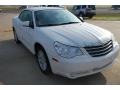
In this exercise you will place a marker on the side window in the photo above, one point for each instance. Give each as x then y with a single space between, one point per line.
78 7
21 15
75 7
26 16
83 6
91 7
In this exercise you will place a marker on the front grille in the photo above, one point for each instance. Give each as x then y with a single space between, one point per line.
101 50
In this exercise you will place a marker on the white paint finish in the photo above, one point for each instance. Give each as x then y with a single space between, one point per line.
80 35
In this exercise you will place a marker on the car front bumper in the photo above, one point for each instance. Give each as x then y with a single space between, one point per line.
84 65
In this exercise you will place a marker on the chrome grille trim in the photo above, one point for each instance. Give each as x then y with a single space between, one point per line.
101 50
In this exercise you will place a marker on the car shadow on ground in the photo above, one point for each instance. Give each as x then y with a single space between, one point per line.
18 66
95 79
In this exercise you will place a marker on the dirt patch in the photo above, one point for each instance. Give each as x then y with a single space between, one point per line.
6 21
6 35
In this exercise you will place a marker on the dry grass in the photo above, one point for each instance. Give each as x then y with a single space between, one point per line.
112 16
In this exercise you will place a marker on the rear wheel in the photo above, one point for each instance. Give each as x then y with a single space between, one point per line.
90 17
42 61
80 14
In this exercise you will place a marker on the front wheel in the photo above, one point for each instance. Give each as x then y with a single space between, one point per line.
43 62
16 37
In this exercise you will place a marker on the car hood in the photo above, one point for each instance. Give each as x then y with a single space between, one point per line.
81 34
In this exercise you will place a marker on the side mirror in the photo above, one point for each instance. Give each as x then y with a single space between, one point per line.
81 18
31 24
26 23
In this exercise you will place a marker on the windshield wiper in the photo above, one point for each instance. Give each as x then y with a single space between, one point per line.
68 23
49 25
58 24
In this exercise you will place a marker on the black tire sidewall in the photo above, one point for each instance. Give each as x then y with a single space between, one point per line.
90 17
48 69
16 37
80 14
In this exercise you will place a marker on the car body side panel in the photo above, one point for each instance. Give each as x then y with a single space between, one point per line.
78 35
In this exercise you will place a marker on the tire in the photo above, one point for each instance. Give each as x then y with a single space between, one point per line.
16 37
80 15
90 17
43 61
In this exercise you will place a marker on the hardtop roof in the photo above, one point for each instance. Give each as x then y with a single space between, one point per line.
43 8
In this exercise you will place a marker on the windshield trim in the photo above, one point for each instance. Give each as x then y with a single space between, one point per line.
58 24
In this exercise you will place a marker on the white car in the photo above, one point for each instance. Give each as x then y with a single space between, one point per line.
64 44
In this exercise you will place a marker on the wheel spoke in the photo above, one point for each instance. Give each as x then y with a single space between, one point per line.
42 60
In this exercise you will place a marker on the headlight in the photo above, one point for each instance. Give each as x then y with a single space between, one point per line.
67 51
113 38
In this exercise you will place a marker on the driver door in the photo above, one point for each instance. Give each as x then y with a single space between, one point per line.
27 31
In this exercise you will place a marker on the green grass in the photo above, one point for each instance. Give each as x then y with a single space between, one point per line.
3 7
103 16
100 16
110 16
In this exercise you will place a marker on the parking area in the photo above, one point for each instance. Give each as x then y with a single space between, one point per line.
18 65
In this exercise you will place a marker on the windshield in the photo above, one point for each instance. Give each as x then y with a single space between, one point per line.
54 17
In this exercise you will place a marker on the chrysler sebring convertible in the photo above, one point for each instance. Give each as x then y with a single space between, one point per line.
64 44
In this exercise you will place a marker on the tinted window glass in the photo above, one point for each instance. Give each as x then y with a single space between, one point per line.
83 6
54 17
26 16
92 7
77 7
